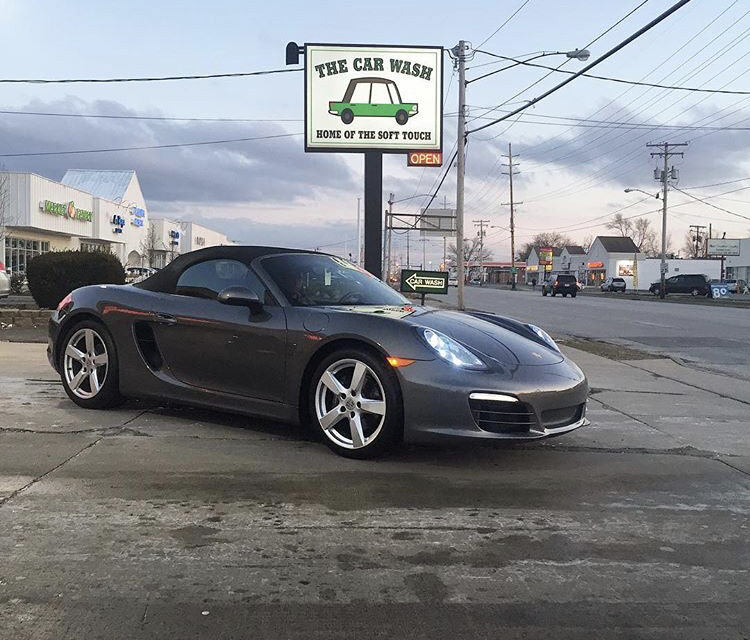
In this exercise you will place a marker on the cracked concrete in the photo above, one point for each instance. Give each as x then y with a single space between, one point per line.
134 522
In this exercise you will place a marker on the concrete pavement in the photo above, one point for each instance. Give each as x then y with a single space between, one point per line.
163 522
716 338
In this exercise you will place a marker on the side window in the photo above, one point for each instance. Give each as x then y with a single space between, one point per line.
361 93
207 279
380 94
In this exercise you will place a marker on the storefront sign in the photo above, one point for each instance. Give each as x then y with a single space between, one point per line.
118 222
545 256
424 159
625 268
200 241
723 247
66 210
596 265
373 97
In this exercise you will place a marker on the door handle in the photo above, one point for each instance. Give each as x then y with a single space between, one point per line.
165 318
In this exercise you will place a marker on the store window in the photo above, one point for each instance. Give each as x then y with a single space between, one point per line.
19 251
92 247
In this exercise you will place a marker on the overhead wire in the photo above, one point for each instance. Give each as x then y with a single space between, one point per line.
208 76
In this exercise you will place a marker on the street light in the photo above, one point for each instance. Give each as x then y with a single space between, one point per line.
574 54
630 190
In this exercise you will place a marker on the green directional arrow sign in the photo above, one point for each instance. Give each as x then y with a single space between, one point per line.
413 281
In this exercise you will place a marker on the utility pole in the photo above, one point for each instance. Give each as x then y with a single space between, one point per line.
408 257
423 240
359 236
697 237
512 219
664 177
389 237
445 238
482 233
459 54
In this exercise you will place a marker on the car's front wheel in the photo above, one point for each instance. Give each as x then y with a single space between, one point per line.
356 403
88 366
402 117
347 116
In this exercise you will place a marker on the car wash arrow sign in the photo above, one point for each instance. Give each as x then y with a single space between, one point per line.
373 98
424 281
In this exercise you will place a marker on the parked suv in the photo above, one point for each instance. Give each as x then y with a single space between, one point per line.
613 284
564 283
694 284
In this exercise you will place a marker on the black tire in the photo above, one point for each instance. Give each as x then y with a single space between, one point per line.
564 295
544 292
552 293
573 295
695 292
402 117
108 395
391 427
347 117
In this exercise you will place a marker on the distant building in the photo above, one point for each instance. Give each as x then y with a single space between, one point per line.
611 257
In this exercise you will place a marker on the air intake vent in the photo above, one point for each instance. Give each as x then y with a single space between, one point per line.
144 336
501 416
555 418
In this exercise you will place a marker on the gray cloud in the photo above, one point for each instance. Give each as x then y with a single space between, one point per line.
270 171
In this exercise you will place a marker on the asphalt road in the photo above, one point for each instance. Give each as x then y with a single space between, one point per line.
714 337
159 522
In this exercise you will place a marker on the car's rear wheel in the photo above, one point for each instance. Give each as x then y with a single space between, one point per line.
544 292
695 292
573 295
347 116
88 366
356 403
402 117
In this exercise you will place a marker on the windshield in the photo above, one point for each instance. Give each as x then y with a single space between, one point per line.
309 280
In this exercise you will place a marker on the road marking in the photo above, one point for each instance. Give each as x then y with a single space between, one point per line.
654 324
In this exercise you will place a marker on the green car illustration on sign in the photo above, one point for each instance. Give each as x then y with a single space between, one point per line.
372 97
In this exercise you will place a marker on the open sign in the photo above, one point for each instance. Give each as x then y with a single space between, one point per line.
424 159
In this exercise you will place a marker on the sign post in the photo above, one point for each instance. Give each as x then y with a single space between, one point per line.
373 99
424 282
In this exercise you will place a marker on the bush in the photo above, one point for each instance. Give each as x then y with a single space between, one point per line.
52 276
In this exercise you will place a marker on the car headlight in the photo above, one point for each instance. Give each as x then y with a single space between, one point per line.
451 351
544 336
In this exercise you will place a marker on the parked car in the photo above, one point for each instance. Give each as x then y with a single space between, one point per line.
4 282
452 281
694 284
213 328
563 283
734 286
475 280
614 284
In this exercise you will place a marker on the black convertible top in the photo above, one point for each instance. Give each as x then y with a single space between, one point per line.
165 280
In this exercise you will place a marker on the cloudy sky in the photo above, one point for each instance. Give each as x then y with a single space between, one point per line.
573 171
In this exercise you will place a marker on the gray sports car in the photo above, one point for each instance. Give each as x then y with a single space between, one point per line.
307 337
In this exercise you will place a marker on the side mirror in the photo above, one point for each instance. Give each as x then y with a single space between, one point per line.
241 297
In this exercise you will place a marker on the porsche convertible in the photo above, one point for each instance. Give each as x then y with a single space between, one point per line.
306 337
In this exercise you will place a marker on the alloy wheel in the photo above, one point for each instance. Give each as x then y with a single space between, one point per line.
85 363
350 404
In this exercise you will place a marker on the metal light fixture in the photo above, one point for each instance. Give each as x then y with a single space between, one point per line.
579 54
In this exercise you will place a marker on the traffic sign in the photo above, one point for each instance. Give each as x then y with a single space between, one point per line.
415 281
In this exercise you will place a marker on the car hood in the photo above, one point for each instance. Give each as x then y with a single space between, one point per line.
482 334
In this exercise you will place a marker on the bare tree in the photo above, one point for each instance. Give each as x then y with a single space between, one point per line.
5 213
588 240
692 248
552 240
622 225
150 244
471 252
644 237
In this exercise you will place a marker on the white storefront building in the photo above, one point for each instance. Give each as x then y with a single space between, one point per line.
88 211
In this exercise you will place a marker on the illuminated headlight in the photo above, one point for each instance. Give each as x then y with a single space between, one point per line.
451 351
544 336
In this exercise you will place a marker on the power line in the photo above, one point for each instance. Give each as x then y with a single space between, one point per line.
703 200
154 146
512 15
126 117
678 5
620 80
209 76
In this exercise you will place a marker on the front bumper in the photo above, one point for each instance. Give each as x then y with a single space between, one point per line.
53 329
437 405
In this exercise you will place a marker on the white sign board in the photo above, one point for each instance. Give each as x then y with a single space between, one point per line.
438 222
373 98
723 247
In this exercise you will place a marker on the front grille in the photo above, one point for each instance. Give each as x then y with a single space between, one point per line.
501 416
554 418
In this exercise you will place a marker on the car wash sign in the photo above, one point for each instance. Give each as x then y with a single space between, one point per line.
373 98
